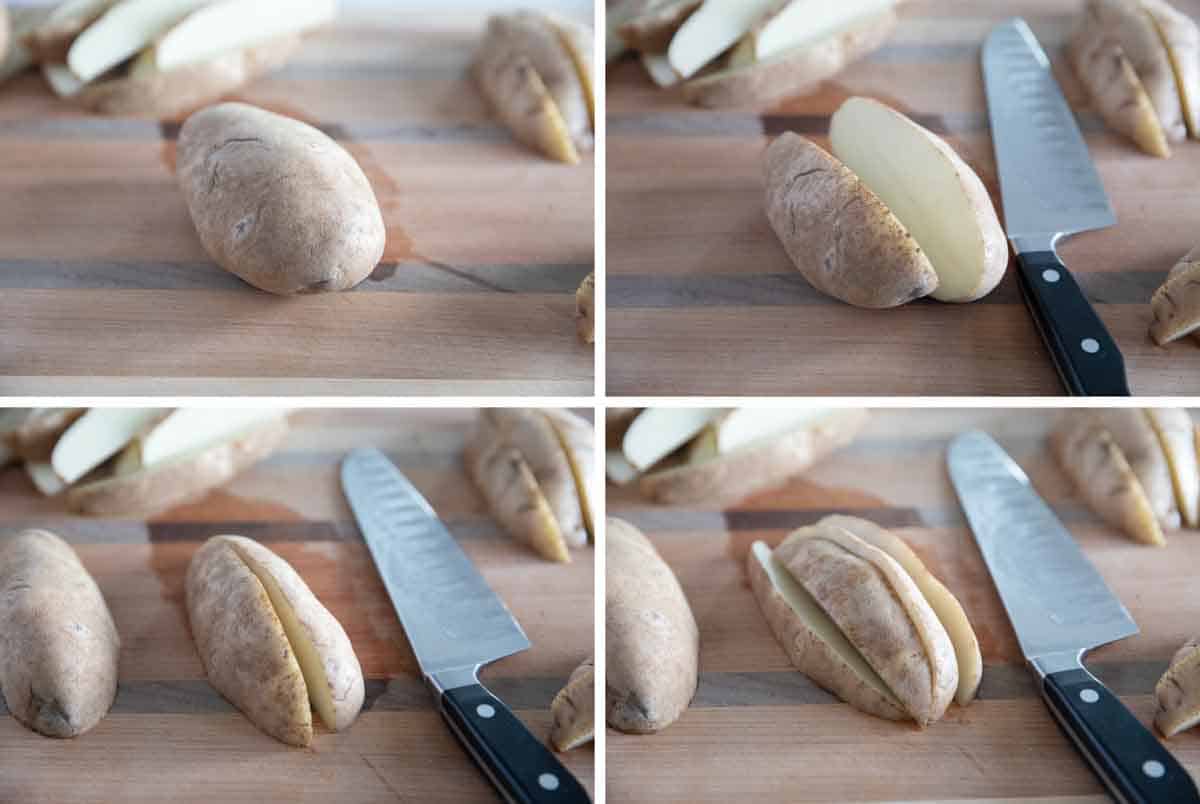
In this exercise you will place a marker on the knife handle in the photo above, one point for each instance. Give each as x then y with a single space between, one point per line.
1086 356
520 767
1132 763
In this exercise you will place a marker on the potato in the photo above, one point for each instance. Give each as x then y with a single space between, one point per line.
652 641
931 190
841 236
276 202
577 437
50 39
1178 691
229 25
527 474
1177 440
574 710
616 423
1181 36
178 479
267 643
16 59
759 463
793 71
813 642
1133 434
148 91
1087 453
1176 305
652 26
34 438
947 608
59 648
715 27
123 31
585 309
881 611
6 33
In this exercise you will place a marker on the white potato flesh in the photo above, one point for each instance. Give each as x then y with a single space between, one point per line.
657 432
189 429
618 468
803 22
713 29
938 201
62 81
236 24
43 477
96 436
123 31
748 425
658 67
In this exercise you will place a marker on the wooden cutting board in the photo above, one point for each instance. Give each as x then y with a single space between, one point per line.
703 299
758 730
170 736
105 288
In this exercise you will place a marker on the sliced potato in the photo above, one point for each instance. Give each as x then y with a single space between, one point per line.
214 29
576 39
616 423
576 438
714 28
813 642
1176 438
931 190
1181 36
651 27
574 710
35 437
1178 692
122 32
1133 434
659 69
618 468
44 478
50 38
840 235
98 435
11 420
797 23
1176 305
657 432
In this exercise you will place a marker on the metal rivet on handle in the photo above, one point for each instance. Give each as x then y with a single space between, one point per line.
485 710
548 781
1089 695
1154 769
1051 275
1090 345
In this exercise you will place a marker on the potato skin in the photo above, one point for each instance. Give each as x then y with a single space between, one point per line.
573 709
278 203
59 647
241 642
653 643
839 234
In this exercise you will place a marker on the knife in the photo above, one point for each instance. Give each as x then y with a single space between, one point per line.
1060 608
1050 189
455 624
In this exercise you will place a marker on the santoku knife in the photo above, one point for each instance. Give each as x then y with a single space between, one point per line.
1050 189
1060 608
455 624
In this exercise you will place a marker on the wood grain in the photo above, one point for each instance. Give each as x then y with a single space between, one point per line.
703 299
102 274
760 731
170 736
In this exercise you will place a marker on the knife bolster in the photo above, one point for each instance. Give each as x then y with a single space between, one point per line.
1049 663
445 680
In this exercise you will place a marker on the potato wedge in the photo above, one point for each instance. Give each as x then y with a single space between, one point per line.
882 612
232 25
944 604
652 641
1087 453
813 642
793 71
839 234
1178 691
180 478
714 28
1181 36
1176 305
574 710
759 464
1176 438
59 647
123 31
932 192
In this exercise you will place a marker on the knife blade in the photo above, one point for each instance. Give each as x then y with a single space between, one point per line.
455 624
1060 608
1049 189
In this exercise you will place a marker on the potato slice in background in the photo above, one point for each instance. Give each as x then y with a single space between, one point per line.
1176 437
576 438
931 190
652 26
122 32
1178 691
813 642
44 478
947 608
618 468
213 29
1181 37
657 432
34 438
188 429
796 23
714 28
98 435
49 39
1133 434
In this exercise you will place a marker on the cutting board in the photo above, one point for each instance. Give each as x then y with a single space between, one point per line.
758 730
105 288
171 737
704 300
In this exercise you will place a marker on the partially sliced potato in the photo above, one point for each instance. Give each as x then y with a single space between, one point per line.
574 710
576 437
122 32
1178 691
1176 305
714 28
616 423
576 39
1181 37
219 27
1134 435
813 642
98 435
657 432
931 190
944 604
1176 437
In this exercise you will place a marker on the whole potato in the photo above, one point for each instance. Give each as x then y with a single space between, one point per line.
277 202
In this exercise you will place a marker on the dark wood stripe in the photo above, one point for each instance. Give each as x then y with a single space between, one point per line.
93 129
198 697
649 291
401 277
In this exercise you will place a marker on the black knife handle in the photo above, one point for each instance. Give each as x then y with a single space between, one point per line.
1130 761
1086 356
518 765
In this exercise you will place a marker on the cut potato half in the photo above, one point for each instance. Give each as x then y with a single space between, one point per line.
1176 437
235 24
813 642
931 190
98 435
714 28
657 432
945 605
